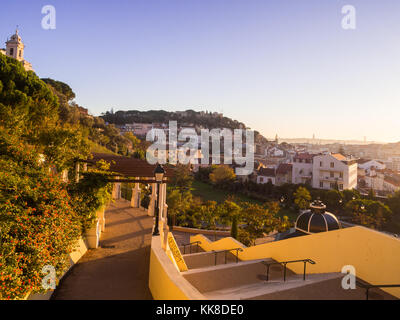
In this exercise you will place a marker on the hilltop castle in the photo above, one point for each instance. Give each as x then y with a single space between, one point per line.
15 49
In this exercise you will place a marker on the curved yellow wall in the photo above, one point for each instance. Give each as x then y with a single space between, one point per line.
165 281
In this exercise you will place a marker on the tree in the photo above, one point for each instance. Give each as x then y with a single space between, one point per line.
332 199
369 213
210 215
259 220
182 177
302 198
178 204
222 174
133 139
232 211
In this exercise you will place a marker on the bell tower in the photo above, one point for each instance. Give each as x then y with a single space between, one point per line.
15 47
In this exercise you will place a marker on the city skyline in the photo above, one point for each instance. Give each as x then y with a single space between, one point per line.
280 67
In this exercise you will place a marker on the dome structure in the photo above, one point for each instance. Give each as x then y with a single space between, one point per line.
317 219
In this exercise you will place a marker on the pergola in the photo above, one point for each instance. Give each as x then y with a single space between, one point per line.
131 170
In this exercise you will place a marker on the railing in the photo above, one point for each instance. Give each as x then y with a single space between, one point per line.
284 263
190 246
370 286
226 251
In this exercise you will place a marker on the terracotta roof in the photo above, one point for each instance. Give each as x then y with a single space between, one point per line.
339 156
284 168
130 167
266 172
392 181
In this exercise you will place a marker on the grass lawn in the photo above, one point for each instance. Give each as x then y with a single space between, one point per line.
208 193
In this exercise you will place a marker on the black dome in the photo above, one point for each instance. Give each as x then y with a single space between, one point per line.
317 220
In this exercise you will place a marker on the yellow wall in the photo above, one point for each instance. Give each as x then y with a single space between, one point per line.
222 244
375 256
165 281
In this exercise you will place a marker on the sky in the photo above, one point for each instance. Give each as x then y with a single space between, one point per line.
283 67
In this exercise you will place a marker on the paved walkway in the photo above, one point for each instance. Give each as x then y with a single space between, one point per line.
119 268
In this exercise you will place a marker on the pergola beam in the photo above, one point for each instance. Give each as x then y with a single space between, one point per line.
134 181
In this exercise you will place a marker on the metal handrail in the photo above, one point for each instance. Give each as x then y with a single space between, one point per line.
226 251
190 246
284 263
370 286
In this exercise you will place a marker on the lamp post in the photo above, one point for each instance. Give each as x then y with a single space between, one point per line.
158 174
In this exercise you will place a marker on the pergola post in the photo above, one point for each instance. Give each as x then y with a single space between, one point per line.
117 190
135 200
77 172
151 209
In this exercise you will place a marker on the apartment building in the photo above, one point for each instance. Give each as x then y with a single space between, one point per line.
334 170
302 168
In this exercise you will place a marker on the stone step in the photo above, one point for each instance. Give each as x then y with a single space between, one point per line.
262 289
329 288
233 275
207 259
190 249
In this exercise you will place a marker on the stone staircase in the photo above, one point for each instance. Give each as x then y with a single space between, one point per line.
247 280
209 258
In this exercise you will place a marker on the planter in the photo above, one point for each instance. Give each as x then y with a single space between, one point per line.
93 235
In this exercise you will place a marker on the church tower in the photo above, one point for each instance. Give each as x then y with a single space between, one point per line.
15 47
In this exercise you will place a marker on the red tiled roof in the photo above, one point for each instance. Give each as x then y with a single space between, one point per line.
130 167
392 181
284 168
266 172
339 156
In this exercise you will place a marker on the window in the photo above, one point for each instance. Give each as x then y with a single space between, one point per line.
11 51
332 164
320 163
340 187
321 184
332 174
332 185
341 174
20 53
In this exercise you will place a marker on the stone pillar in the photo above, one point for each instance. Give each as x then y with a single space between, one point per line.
116 190
135 200
152 203
64 175
77 172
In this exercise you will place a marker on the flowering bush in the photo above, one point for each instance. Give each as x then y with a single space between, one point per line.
38 225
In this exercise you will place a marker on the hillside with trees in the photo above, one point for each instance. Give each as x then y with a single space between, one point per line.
199 119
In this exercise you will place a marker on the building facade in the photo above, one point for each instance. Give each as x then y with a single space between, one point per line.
333 171
302 171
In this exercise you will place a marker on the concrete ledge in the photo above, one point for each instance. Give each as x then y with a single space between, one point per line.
202 231
165 281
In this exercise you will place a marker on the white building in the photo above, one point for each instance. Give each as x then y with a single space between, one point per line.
302 170
334 170
266 175
15 49
366 164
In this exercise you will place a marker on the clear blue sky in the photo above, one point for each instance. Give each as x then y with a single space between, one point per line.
280 66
